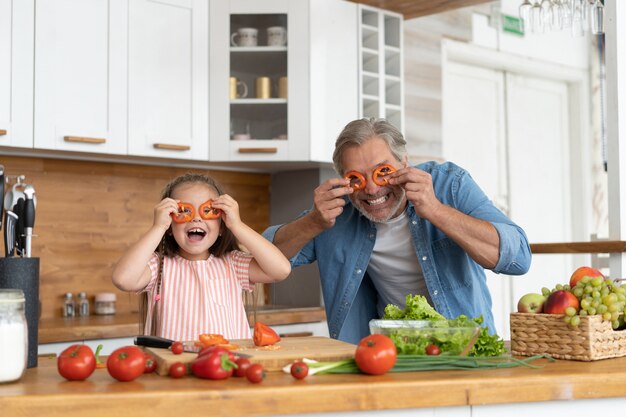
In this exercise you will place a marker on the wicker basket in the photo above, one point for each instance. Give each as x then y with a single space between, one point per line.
593 339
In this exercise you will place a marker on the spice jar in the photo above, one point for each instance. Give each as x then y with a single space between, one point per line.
13 335
105 303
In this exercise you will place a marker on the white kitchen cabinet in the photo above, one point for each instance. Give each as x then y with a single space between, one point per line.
381 75
16 73
319 62
80 75
168 73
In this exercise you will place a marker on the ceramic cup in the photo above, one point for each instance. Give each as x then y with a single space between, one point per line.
238 89
276 36
245 37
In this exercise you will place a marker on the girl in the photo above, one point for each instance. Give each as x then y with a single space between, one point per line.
188 267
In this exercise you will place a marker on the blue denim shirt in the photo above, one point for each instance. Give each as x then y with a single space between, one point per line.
456 284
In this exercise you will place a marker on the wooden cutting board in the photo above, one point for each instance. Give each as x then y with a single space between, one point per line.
273 358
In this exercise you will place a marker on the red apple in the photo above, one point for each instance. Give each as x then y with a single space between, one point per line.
558 301
584 271
531 303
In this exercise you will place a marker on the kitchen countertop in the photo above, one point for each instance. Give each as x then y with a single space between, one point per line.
63 329
43 392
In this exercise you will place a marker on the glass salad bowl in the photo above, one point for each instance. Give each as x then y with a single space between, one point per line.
418 337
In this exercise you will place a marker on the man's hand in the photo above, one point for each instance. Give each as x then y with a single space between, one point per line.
328 201
418 185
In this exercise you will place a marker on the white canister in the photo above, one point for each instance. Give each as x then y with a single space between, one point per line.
13 335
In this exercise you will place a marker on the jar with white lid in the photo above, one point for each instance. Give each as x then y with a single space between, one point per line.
105 303
13 335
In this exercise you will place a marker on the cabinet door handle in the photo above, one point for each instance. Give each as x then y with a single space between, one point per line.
83 139
258 150
171 147
3 132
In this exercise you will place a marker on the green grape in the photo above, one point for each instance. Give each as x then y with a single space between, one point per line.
615 307
559 287
585 279
591 311
614 315
567 319
570 311
575 321
595 294
602 308
585 304
615 324
597 281
588 289
582 313
606 316
578 292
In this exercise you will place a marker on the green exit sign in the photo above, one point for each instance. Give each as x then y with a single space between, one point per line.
513 25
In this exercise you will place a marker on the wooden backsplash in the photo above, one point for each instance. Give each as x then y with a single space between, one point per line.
88 213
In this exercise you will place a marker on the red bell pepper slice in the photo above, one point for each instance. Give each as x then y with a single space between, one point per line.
379 176
207 212
357 180
185 213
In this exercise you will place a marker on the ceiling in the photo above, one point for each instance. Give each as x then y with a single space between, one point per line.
417 8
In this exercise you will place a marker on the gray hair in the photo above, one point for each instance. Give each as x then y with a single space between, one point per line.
359 131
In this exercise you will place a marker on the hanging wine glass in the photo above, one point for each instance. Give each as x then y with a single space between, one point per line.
524 13
557 15
577 19
597 18
546 14
535 17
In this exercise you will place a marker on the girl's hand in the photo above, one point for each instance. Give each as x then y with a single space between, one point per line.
230 210
163 211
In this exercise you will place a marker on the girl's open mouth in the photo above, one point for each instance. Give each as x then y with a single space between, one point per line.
196 234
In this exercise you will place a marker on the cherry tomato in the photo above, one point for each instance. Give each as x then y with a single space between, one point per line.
255 373
433 350
299 370
375 354
380 174
264 335
177 348
207 212
151 364
126 363
185 213
357 180
178 370
242 366
76 363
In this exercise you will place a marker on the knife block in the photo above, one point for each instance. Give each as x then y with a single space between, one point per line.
23 274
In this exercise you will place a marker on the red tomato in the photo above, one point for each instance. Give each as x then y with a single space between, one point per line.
375 354
264 335
433 350
178 370
299 370
76 363
177 348
242 366
126 363
255 373
151 364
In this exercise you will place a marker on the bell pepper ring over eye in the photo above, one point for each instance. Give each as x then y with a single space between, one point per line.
357 180
207 212
379 176
185 213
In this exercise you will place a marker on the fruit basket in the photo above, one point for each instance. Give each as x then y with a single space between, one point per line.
593 339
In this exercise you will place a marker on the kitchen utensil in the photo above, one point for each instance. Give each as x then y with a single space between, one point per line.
15 192
19 228
29 218
163 343
10 222
273 358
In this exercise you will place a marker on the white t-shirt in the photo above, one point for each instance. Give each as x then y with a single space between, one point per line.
394 267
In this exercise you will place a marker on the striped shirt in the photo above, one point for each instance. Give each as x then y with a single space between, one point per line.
200 296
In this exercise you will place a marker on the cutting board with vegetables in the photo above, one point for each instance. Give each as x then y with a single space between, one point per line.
274 357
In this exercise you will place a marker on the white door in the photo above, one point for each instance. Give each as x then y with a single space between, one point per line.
168 70
511 133
16 73
80 63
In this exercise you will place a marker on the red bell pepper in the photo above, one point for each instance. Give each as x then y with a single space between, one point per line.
214 363
264 335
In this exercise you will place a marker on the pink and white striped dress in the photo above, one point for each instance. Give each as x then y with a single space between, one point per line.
200 296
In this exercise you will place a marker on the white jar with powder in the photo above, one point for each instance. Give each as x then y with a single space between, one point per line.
13 335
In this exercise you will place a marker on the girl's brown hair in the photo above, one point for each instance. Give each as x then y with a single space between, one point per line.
225 243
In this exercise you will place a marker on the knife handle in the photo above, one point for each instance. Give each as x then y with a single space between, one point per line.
153 341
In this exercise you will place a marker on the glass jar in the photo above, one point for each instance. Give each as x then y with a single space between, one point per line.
105 303
13 335
83 304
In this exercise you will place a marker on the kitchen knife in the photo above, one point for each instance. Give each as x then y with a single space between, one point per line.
10 221
163 343
29 219
18 209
